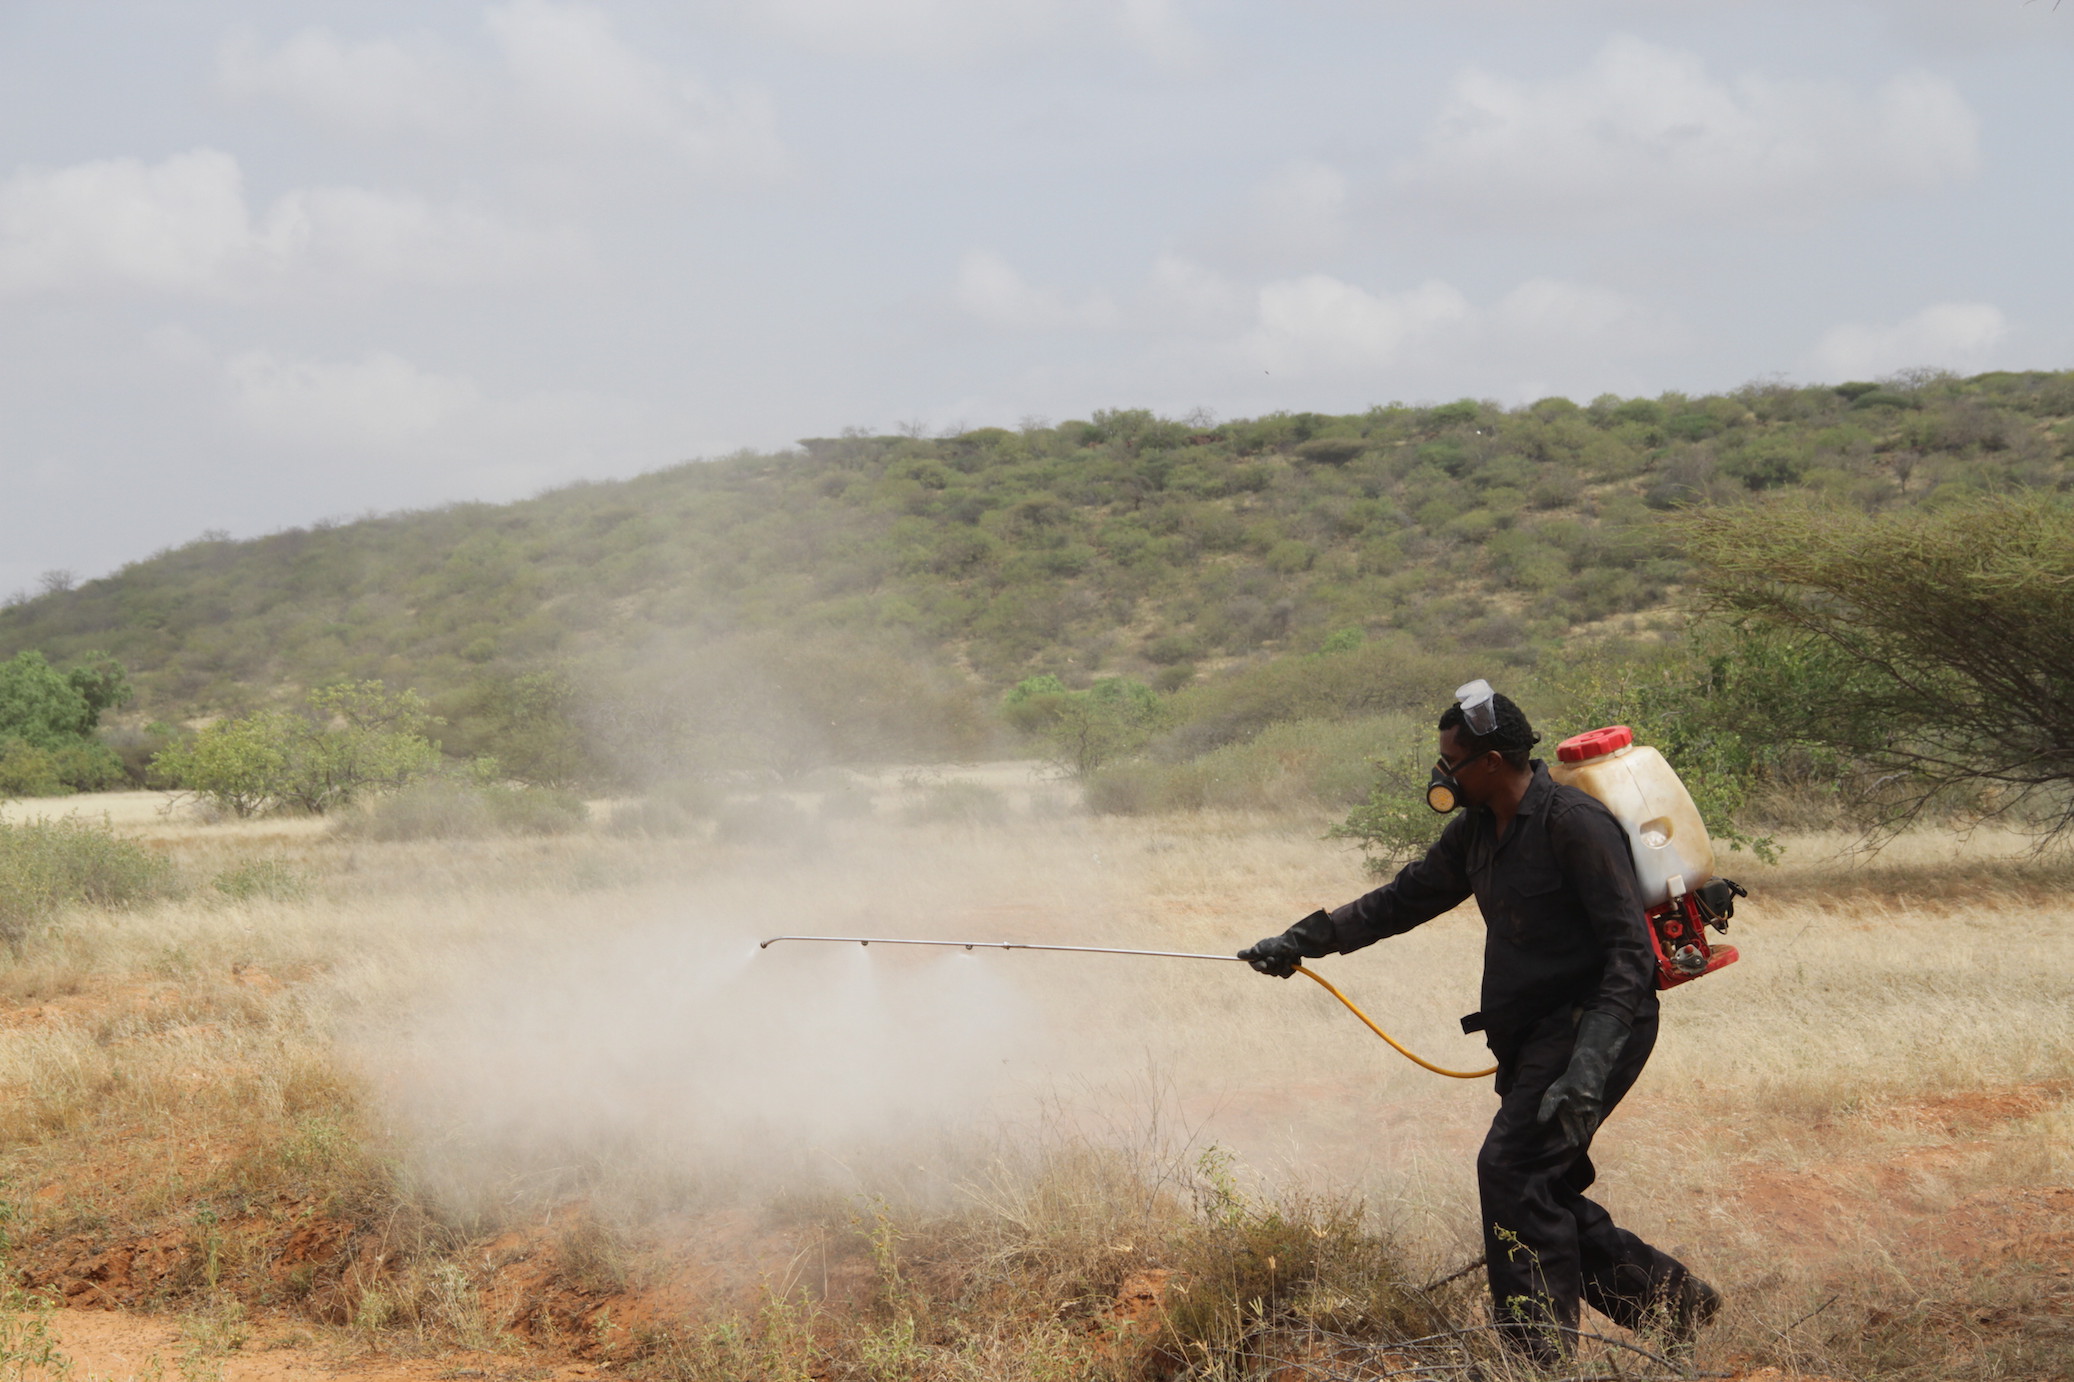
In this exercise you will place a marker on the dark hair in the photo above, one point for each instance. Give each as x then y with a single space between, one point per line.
1512 737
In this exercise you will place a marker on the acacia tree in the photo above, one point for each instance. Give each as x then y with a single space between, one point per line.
347 740
1933 649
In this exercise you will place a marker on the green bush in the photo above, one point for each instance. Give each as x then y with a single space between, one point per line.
1393 825
47 724
54 710
27 771
1085 729
80 766
275 880
441 809
46 866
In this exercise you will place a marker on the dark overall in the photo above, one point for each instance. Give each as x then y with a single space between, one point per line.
1564 935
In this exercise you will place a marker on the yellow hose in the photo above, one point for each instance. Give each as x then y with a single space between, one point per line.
1326 984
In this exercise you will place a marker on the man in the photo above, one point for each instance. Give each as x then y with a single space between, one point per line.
1569 1009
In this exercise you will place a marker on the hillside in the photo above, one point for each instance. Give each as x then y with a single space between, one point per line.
922 573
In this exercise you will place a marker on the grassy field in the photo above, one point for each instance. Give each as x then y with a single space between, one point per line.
543 1104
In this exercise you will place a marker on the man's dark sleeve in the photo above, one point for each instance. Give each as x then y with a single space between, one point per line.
1421 891
1592 851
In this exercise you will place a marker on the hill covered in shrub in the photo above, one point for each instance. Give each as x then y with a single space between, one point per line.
883 591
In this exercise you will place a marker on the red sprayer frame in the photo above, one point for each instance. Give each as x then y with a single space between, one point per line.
1678 933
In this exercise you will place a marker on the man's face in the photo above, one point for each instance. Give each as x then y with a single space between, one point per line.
1473 772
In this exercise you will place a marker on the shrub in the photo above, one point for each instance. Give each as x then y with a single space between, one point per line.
1394 825
531 724
47 723
53 710
1767 465
1085 729
276 880
27 771
1333 451
448 810
1300 1264
1288 557
48 865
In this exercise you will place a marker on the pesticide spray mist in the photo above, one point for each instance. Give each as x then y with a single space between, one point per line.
633 1046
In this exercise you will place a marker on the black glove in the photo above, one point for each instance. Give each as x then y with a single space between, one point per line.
1578 1095
1280 955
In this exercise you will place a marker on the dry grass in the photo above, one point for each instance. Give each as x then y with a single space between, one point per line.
546 1093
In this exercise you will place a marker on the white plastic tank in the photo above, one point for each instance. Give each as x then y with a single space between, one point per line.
1671 849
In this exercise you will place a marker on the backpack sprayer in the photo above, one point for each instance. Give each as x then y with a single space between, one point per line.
1674 859
1674 864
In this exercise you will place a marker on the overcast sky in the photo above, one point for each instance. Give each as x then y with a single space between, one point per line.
265 264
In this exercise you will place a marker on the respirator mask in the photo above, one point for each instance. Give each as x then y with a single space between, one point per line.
1479 717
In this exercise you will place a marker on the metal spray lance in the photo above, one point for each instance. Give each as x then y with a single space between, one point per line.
1310 974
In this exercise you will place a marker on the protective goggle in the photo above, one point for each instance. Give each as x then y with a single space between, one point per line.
1479 706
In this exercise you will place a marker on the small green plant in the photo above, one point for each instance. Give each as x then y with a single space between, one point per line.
275 880
28 1344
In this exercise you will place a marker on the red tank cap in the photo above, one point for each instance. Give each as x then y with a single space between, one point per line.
1594 743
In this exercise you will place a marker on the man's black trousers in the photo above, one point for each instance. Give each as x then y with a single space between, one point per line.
1547 1246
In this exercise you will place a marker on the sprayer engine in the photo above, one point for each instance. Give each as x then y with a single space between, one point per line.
1678 931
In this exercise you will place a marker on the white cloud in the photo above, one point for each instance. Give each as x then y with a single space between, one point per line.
1182 293
385 412
1949 335
1300 210
1320 324
1319 327
992 290
561 77
384 86
1647 134
941 29
174 226
574 75
380 400
1552 312
184 226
